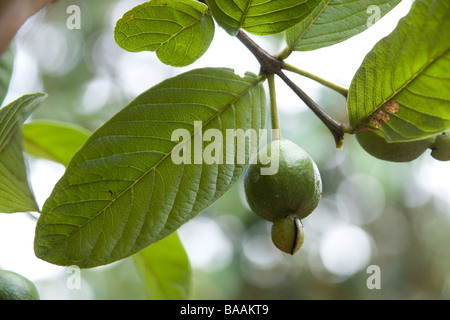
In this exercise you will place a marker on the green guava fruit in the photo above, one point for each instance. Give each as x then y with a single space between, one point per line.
13 286
378 147
288 234
293 187
440 150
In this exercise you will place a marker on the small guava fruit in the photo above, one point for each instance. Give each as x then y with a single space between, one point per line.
440 150
293 188
288 234
13 286
378 147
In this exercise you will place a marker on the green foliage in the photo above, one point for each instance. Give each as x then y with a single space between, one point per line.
164 266
165 269
6 68
259 16
122 191
402 85
15 192
53 140
180 31
343 18
123 194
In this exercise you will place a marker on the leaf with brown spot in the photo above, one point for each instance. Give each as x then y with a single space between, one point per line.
403 85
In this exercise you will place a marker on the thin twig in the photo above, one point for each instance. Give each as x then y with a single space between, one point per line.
334 126
271 64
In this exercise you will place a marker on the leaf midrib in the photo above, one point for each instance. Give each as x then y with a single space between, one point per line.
181 30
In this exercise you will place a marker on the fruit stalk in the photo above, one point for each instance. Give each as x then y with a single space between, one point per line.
276 134
343 91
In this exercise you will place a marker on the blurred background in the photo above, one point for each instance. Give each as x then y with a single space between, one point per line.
394 216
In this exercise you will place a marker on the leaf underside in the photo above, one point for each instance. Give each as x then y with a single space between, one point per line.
6 68
53 140
122 191
259 17
15 192
165 269
402 88
179 31
333 21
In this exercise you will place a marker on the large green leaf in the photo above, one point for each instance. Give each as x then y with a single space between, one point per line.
15 192
123 191
6 68
403 85
333 21
165 269
53 140
259 17
164 266
180 31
